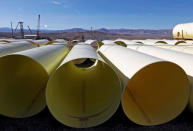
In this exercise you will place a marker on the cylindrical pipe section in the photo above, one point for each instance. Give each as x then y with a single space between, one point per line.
13 40
60 41
183 31
3 42
15 47
41 42
90 42
83 95
156 91
180 58
23 79
108 42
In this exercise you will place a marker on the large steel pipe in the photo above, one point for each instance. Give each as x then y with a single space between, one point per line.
60 41
182 59
13 40
3 42
83 95
41 42
183 47
90 41
156 91
15 47
23 79
183 31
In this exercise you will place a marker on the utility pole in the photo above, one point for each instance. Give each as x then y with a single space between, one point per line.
12 35
38 28
92 34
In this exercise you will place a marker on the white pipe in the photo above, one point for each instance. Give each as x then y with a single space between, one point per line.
15 47
90 41
60 41
23 79
182 59
108 42
183 31
40 42
156 91
80 96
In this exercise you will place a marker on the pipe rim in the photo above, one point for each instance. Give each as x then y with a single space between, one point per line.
93 116
28 79
145 115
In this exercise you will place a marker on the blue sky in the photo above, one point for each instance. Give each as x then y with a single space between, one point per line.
65 14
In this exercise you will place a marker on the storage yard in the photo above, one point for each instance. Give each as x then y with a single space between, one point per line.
116 84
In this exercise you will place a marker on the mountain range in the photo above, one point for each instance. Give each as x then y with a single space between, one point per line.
103 30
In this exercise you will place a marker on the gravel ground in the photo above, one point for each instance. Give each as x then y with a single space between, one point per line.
119 122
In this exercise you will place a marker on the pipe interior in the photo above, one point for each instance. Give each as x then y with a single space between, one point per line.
84 63
22 87
156 94
81 98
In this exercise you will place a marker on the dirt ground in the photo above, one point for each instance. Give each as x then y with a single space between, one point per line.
119 122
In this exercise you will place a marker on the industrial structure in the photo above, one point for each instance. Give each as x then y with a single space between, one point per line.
28 36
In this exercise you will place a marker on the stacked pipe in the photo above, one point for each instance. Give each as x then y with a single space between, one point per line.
177 45
83 88
6 49
13 47
180 58
150 97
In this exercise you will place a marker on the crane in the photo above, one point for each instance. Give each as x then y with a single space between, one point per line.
38 28
30 29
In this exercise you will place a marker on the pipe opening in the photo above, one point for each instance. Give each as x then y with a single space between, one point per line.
83 98
139 42
121 43
180 42
22 87
84 63
163 42
156 94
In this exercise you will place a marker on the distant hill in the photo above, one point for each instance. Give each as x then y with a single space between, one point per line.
5 29
136 31
104 30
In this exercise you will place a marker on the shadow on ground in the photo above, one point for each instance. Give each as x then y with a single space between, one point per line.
119 122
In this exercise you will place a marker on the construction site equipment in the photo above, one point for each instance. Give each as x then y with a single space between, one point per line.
21 29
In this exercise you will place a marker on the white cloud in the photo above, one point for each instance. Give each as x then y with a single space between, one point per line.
45 26
56 2
62 3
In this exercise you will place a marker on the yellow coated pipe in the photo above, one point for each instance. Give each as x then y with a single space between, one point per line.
23 79
6 49
156 91
83 95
